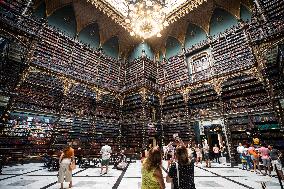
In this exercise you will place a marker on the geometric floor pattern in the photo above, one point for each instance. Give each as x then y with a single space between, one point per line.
35 176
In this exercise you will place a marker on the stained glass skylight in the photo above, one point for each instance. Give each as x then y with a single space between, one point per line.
122 5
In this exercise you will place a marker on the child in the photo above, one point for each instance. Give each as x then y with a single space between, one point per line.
244 161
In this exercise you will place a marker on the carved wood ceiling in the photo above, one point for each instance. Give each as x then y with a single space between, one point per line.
86 13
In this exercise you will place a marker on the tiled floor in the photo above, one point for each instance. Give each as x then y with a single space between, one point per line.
34 176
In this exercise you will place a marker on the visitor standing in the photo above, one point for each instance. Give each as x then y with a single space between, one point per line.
65 160
152 177
79 155
254 155
181 173
240 150
190 151
264 153
244 161
222 151
106 153
216 152
248 157
206 152
275 156
171 150
198 151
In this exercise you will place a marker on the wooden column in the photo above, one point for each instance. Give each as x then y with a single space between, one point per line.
144 126
161 101
185 94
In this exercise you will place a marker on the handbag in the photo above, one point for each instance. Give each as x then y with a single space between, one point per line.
72 166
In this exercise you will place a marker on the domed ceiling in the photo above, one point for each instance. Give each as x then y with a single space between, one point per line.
111 22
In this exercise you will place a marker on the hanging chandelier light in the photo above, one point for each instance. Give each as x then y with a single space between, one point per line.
146 18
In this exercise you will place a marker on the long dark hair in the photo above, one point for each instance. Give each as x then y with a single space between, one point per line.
154 159
182 155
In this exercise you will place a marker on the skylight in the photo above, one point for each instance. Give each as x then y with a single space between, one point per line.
145 18
173 4
121 6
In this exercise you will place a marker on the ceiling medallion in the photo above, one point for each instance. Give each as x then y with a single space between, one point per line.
146 18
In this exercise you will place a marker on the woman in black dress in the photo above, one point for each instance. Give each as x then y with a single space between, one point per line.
181 173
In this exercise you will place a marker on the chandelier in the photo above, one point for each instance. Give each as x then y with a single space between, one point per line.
146 18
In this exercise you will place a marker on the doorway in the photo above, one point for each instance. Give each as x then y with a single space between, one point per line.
212 139
214 135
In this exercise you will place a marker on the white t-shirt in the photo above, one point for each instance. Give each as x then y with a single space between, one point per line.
105 151
240 149
215 150
206 148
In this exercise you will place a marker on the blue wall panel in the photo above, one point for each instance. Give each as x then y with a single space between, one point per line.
245 13
64 19
194 35
111 47
220 21
173 47
40 11
90 35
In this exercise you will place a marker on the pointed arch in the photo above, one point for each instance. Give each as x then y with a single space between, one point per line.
194 35
173 47
245 13
220 21
111 47
90 35
64 19
52 6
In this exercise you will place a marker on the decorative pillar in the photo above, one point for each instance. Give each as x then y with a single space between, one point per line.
26 9
259 9
144 127
120 121
260 53
161 101
67 84
185 93
225 127
217 85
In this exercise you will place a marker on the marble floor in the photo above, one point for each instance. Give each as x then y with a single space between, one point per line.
35 176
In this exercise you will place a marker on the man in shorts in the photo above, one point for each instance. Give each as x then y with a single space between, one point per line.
265 157
105 151
206 154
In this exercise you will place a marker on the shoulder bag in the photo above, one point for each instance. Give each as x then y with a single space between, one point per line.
72 166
